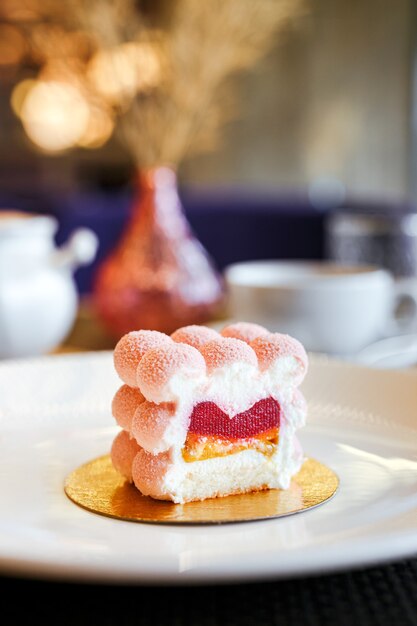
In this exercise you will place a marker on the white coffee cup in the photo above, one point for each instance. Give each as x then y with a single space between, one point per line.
328 307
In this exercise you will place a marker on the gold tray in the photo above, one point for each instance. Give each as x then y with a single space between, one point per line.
98 487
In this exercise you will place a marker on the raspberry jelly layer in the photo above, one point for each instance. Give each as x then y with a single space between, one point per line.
208 419
213 433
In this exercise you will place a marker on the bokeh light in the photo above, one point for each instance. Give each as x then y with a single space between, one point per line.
118 73
99 128
17 10
49 42
12 45
55 115
19 94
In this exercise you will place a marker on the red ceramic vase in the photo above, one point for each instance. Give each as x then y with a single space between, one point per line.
159 276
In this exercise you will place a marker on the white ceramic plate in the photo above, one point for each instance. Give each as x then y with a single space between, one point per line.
54 415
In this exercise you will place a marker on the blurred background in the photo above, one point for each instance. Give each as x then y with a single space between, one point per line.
333 99
318 120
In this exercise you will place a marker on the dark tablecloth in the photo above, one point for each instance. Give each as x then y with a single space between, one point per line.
381 596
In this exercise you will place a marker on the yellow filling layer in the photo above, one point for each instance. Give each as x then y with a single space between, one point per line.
203 447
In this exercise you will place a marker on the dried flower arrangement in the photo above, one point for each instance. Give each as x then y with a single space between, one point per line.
160 69
159 66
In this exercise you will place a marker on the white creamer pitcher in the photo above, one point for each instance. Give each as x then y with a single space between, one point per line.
38 296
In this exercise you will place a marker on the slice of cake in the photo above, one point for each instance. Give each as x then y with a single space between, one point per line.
207 414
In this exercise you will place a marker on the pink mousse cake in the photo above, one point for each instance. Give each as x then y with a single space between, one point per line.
206 414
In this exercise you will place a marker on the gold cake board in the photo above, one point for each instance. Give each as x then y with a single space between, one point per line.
98 487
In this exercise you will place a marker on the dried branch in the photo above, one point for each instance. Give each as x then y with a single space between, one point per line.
205 44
